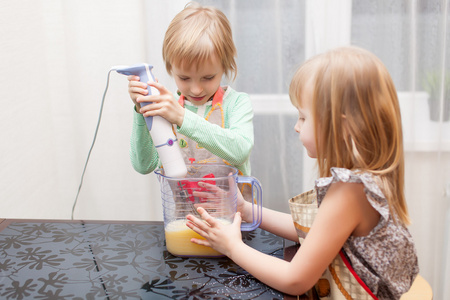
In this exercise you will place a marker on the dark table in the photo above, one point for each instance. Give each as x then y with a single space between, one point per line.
51 259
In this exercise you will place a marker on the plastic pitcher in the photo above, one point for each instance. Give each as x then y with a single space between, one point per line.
217 193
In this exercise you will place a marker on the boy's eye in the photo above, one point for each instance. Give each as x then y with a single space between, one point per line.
183 78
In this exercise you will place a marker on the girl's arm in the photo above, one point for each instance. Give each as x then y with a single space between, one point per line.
341 213
278 223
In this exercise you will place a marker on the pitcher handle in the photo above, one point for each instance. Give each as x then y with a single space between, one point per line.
256 209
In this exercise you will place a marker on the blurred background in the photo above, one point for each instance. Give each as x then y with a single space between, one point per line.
56 55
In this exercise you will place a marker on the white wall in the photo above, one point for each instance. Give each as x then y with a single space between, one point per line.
55 57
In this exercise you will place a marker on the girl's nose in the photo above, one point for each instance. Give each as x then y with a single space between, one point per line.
297 127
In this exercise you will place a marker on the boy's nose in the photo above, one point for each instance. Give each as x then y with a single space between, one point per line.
196 89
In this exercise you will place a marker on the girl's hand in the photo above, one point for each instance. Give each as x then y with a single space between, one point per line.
136 89
219 236
244 207
214 199
164 105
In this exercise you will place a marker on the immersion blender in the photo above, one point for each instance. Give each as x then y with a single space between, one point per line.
160 129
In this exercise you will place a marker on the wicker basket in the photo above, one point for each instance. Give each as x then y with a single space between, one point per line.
339 281
303 210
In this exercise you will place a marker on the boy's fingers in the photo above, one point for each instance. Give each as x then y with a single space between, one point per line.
133 78
138 90
158 86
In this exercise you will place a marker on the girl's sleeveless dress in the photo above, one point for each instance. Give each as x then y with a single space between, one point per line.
381 265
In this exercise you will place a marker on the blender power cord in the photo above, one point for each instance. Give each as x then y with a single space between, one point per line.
93 141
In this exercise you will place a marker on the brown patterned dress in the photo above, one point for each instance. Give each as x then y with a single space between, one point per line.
386 259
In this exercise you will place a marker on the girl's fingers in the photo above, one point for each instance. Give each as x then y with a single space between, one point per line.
201 242
205 216
231 180
195 226
209 186
200 223
208 205
237 219
219 193
203 194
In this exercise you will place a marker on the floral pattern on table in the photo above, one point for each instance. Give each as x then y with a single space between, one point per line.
76 260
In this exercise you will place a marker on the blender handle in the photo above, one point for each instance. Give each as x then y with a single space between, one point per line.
256 210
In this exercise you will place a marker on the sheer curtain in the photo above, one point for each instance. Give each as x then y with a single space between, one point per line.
56 56
412 39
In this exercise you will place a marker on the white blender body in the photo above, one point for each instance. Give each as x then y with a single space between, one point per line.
160 129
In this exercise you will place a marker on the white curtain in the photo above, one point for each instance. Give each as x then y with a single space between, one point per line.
55 59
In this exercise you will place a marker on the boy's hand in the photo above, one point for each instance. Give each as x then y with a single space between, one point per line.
219 236
164 104
136 89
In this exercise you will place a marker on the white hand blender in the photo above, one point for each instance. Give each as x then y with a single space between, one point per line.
160 129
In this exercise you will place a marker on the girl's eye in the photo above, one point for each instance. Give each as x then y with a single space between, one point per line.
209 78
183 78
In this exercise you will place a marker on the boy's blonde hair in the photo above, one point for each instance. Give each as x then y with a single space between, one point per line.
195 35
356 118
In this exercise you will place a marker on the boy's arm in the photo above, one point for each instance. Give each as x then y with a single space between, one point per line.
143 154
232 144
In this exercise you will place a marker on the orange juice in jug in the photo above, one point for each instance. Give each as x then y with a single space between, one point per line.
178 241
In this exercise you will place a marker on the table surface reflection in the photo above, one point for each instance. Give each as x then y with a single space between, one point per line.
46 259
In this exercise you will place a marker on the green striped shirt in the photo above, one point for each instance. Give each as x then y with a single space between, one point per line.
232 143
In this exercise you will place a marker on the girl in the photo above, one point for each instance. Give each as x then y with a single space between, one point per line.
214 124
349 120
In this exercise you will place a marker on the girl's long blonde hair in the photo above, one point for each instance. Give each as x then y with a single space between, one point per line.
356 118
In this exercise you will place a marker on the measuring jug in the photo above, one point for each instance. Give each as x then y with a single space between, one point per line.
211 186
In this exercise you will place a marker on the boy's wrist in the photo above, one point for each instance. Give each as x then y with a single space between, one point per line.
139 119
181 119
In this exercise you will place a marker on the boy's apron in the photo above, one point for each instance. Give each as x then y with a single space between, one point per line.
194 152
339 281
